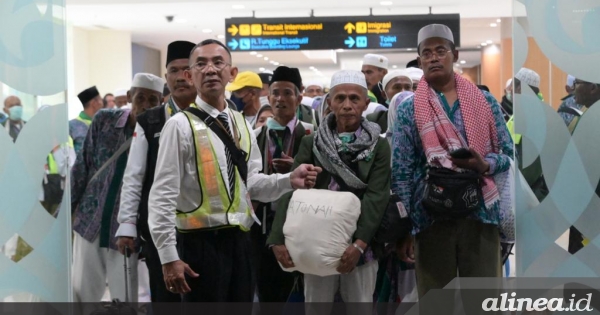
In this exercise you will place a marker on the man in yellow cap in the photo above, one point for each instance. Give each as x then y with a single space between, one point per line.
247 87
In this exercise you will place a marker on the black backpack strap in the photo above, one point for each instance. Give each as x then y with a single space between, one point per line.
238 156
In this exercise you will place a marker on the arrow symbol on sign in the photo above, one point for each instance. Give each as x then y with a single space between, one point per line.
233 30
350 42
349 27
233 44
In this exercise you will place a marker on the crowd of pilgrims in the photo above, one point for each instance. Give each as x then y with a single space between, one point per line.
192 179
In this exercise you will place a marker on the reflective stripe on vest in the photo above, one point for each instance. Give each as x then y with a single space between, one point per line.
85 121
216 208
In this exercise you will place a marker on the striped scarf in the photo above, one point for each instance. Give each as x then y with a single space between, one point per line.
440 136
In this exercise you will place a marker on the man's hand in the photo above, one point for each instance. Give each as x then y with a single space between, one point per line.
406 250
284 164
305 176
125 242
475 162
174 275
283 256
350 257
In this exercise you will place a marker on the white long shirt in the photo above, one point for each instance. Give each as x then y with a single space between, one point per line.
133 181
176 178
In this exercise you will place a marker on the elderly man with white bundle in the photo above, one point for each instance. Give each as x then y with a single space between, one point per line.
355 160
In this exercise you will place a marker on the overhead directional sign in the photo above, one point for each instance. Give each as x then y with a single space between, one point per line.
316 33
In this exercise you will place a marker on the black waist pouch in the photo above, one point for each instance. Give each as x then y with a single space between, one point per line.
452 195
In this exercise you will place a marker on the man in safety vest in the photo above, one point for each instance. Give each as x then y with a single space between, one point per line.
139 174
206 173
59 161
78 127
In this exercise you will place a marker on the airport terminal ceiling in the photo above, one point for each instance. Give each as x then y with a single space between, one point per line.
155 23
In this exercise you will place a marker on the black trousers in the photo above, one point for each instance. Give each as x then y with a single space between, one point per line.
223 260
274 284
158 289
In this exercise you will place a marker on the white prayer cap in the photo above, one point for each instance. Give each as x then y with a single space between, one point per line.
121 92
349 77
570 80
148 81
508 82
435 30
528 77
415 73
394 74
378 61
314 83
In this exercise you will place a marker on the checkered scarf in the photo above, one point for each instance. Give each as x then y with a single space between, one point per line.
440 136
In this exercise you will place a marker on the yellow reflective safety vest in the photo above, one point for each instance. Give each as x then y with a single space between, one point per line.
52 167
510 125
217 209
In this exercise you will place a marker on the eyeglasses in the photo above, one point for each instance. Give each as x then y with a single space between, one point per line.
577 82
217 65
440 53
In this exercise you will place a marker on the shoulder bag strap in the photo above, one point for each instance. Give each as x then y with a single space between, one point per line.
238 156
122 149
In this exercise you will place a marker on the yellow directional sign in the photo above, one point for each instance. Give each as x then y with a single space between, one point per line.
349 27
256 29
245 29
233 30
361 27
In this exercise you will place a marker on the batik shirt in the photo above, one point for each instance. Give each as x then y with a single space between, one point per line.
409 164
568 102
108 131
78 130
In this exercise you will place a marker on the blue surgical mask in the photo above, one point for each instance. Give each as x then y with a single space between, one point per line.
509 96
15 113
274 125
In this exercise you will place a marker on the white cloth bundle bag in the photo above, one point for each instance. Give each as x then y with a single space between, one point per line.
318 229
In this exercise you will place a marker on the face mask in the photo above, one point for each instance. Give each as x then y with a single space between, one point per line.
15 112
264 99
387 102
239 104
274 125
509 96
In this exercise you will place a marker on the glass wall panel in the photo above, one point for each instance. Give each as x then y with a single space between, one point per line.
35 229
558 207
